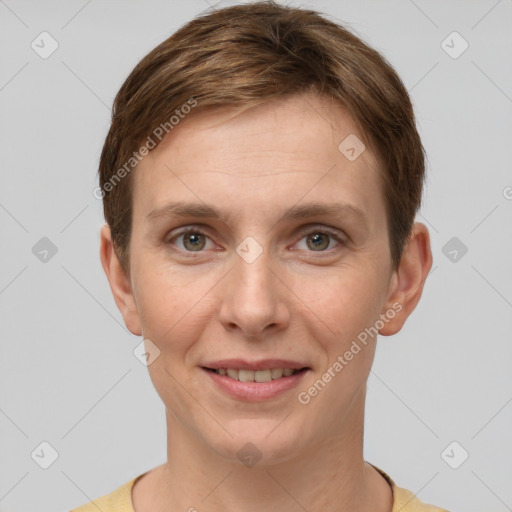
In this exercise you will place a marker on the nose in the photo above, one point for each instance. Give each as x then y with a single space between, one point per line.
254 298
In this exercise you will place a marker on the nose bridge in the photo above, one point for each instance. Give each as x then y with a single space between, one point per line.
252 300
252 273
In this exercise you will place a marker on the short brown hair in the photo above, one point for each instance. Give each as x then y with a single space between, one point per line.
243 56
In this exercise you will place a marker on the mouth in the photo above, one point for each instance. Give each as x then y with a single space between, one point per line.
255 381
264 375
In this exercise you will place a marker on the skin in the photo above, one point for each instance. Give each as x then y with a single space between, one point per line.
297 301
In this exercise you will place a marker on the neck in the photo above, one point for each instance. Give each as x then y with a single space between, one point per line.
329 475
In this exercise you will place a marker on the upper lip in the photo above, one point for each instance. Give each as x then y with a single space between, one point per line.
264 364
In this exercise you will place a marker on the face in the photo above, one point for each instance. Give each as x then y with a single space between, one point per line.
294 267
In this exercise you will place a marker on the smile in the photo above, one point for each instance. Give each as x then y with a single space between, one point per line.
256 376
255 385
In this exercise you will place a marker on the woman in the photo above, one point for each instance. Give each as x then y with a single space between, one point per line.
260 181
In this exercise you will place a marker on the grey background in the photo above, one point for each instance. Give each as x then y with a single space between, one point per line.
67 372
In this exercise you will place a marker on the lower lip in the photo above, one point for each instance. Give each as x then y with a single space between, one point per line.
256 391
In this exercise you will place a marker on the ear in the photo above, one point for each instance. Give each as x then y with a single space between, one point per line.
120 284
406 284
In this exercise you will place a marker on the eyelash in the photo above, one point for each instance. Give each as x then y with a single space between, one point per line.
309 231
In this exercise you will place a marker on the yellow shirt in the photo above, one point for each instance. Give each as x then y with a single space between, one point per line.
121 500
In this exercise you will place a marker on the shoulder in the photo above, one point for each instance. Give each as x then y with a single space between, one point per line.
119 500
404 500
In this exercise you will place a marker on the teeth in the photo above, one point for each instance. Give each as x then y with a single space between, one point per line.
263 376
245 375
256 376
232 373
277 373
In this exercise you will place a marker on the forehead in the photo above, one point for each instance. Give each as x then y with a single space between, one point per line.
281 149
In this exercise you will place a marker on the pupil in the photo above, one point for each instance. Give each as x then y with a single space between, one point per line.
317 239
194 240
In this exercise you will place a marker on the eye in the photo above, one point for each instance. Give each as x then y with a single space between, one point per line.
194 240
318 240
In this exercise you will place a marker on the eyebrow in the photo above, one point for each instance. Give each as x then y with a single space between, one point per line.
203 210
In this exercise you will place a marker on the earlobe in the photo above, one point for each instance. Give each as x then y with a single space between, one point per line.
119 282
406 285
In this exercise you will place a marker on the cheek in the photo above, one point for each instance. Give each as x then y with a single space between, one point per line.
173 303
340 305
335 320
174 307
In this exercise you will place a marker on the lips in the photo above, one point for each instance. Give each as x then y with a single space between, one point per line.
254 386
255 381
